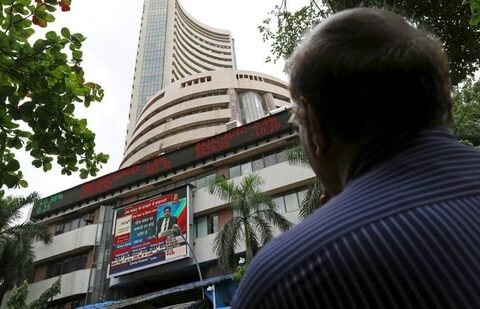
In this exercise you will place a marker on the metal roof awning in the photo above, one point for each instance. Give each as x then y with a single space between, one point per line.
155 295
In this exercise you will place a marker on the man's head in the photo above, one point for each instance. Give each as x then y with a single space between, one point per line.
167 211
364 77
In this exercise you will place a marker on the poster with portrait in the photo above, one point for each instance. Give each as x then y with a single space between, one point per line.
150 233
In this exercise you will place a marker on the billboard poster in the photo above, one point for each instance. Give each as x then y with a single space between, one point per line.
144 234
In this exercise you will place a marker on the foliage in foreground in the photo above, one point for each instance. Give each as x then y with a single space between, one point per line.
16 252
40 85
453 21
18 298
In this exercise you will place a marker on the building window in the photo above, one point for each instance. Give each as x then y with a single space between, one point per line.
235 171
206 225
67 265
280 203
290 201
74 223
259 162
212 224
251 106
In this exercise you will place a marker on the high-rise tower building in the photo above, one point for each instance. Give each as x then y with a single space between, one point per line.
173 45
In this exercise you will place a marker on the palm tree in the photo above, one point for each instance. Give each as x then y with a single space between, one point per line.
311 201
16 252
254 217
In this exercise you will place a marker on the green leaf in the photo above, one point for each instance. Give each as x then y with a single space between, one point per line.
65 33
23 183
77 54
7 90
47 166
10 180
51 36
13 165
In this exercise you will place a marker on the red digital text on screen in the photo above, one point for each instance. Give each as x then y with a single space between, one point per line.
97 186
266 126
218 143
127 172
157 165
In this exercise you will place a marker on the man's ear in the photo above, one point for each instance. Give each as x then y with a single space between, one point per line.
316 135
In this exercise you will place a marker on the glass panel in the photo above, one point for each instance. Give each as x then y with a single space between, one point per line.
301 196
75 223
280 203
291 202
258 164
201 226
200 182
82 222
270 160
282 156
251 106
210 179
246 168
212 224
235 171
68 226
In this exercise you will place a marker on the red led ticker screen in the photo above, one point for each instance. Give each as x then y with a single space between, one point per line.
227 141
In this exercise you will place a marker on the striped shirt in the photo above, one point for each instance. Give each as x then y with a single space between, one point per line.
405 234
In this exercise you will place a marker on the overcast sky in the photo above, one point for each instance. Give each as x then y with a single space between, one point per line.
112 28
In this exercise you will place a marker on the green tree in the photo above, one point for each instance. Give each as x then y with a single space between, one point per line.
254 218
41 83
18 298
16 252
450 20
311 201
466 112
475 9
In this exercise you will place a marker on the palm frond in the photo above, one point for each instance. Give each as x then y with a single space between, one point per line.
277 219
251 240
223 189
227 239
264 228
296 154
311 201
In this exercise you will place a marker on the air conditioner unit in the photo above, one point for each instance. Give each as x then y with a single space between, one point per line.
231 125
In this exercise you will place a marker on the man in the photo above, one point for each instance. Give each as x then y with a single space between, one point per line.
402 227
167 222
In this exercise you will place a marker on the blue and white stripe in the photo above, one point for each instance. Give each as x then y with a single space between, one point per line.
405 234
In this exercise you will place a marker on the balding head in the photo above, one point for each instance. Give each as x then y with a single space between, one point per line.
368 74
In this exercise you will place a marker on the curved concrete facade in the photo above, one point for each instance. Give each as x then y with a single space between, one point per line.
200 106
173 45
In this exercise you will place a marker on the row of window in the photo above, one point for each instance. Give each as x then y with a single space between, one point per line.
196 81
258 162
189 26
209 93
74 223
172 132
289 201
192 44
67 265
